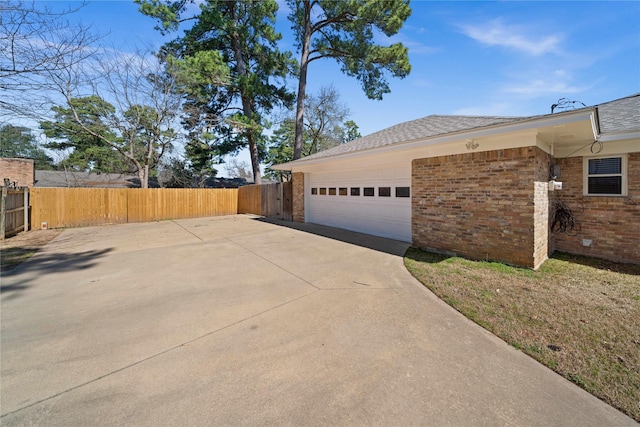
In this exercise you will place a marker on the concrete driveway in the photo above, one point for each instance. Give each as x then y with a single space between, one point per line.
238 321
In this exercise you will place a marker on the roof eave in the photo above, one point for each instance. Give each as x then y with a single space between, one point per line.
589 113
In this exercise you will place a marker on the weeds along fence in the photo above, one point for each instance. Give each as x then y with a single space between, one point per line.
77 207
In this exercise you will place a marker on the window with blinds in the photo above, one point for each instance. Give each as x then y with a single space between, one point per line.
605 176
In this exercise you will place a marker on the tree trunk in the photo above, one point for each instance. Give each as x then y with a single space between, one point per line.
147 162
302 83
255 161
143 176
247 107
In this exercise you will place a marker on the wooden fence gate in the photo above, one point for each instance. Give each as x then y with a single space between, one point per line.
14 211
269 200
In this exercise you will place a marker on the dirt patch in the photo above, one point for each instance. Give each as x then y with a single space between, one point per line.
19 248
576 315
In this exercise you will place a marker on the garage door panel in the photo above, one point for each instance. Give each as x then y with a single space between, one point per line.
381 216
390 214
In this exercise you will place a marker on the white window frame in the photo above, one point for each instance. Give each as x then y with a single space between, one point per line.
623 174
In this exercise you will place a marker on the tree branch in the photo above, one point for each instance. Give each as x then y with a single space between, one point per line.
343 17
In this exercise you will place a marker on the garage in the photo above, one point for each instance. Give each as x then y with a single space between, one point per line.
372 201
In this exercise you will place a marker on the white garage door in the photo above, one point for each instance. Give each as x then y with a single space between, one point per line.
369 201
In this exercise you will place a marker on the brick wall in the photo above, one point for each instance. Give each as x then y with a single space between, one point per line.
611 223
20 171
483 205
298 196
542 247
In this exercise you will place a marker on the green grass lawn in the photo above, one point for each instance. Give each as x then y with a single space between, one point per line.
579 316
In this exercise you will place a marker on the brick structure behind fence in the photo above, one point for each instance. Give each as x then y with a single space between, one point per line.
22 172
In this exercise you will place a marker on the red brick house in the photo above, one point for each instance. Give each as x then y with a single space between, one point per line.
512 189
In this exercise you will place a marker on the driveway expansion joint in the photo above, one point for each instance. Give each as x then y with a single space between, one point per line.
187 230
273 263
154 356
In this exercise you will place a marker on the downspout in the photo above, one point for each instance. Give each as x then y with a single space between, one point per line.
595 123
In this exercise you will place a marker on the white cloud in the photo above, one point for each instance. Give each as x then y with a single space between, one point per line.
412 45
495 33
528 94
417 47
559 82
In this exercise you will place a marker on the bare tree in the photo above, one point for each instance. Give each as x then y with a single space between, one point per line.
324 121
35 41
126 102
326 125
239 169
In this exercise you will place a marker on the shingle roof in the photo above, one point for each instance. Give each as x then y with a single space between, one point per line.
620 115
425 127
46 178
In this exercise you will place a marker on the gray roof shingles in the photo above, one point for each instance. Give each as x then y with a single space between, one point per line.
423 128
46 178
615 116
621 115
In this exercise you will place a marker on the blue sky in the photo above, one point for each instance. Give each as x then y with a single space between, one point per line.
474 58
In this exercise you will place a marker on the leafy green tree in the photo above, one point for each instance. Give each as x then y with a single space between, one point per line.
107 140
18 141
135 131
281 149
351 131
243 33
81 130
345 30
202 78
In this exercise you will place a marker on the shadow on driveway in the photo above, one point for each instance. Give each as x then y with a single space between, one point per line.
47 263
380 244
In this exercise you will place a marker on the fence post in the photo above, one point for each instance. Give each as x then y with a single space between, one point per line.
26 209
280 213
3 211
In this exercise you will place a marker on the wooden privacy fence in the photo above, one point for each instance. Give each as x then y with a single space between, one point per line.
269 200
75 207
14 211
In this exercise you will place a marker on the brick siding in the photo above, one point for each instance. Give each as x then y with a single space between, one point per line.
611 223
298 196
487 205
541 244
20 171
